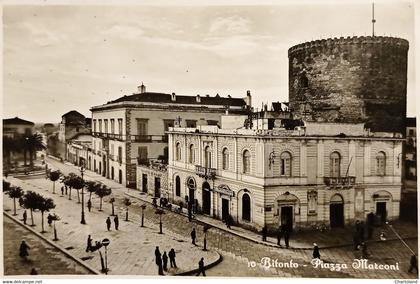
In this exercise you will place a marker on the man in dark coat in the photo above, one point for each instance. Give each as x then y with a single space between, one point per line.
201 267
116 222
316 253
287 231
172 256
108 223
370 224
157 255
89 244
23 250
165 261
89 205
228 221
25 216
264 233
413 264
193 236
159 264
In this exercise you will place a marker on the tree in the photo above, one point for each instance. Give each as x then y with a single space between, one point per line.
77 183
32 144
45 205
54 176
91 187
31 201
101 192
15 192
127 203
112 200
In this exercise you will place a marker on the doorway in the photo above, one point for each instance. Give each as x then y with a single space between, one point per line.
120 176
225 208
144 183
287 217
206 198
246 208
112 173
157 187
381 211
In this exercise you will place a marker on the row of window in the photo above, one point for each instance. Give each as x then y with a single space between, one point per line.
105 129
285 161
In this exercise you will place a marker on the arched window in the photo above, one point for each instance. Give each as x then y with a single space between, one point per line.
246 162
246 207
335 161
225 159
177 186
207 157
286 164
178 151
191 154
380 163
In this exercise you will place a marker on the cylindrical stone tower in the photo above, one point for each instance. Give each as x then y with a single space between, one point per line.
353 79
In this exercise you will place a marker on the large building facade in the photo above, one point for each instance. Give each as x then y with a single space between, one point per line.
131 130
318 173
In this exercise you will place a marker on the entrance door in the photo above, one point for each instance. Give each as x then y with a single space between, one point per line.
120 176
104 172
157 186
287 217
336 211
246 208
381 211
206 198
112 172
144 183
225 208
191 196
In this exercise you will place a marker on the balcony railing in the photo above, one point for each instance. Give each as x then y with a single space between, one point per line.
149 138
207 173
108 135
340 182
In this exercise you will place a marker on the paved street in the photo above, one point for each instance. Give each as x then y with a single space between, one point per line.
239 252
131 251
45 258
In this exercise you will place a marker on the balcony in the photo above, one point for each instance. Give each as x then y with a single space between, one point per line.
108 135
149 138
207 173
143 162
340 182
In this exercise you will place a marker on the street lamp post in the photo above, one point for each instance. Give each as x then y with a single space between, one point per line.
83 221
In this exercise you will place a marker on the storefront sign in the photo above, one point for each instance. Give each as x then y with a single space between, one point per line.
224 189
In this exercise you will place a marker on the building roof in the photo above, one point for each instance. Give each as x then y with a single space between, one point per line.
72 113
150 97
17 120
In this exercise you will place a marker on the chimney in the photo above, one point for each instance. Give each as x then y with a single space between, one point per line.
141 89
248 98
198 99
173 97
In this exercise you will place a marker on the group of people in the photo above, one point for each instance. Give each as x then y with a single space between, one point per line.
359 236
116 222
284 230
90 247
162 260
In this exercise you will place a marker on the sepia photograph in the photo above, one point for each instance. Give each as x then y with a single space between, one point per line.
208 139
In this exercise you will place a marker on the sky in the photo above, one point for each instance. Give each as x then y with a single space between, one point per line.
60 58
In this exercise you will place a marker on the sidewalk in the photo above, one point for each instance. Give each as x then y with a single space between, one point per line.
338 237
131 251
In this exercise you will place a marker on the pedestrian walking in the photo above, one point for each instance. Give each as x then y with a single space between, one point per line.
172 256
23 250
316 253
89 205
228 221
201 267
89 244
49 219
116 222
157 255
264 233
25 216
413 264
159 264
165 261
21 202
108 223
193 235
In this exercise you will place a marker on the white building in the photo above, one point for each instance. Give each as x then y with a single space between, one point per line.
318 173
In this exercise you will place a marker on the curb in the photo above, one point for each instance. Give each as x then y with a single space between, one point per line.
265 243
208 266
94 271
